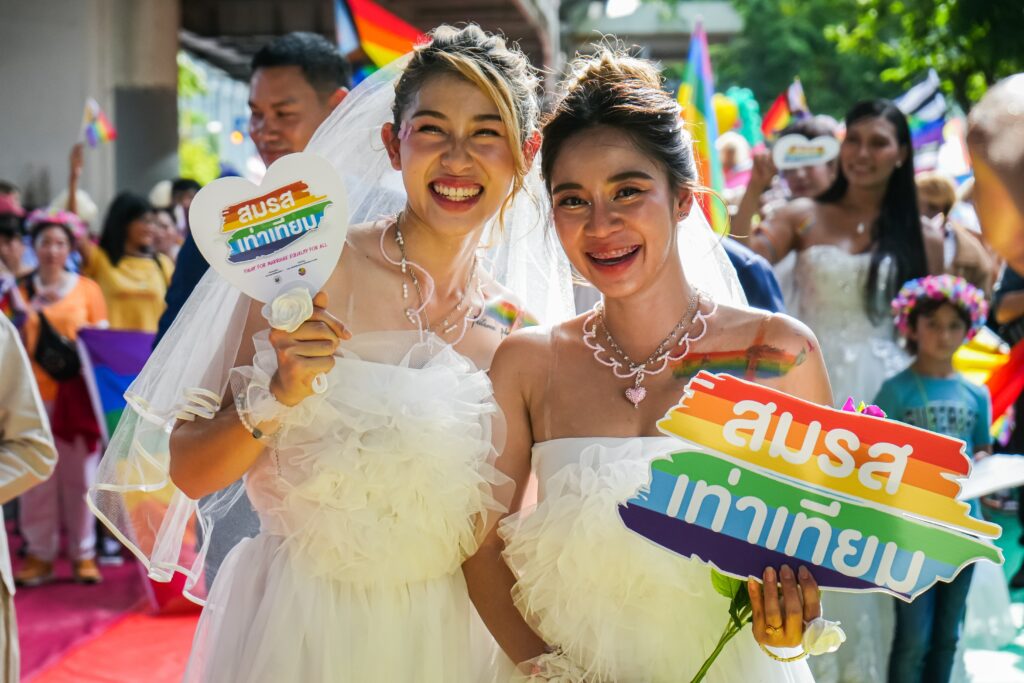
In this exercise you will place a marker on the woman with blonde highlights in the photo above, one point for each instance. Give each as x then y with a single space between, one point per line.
371 494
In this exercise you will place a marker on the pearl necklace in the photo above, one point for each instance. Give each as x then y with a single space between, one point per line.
658 361
417 315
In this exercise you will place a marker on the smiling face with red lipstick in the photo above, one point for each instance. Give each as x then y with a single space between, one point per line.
455 155
615 211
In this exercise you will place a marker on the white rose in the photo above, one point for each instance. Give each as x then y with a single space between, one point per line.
822 636
553 667
289 309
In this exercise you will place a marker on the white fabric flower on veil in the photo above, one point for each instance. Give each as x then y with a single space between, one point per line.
289 309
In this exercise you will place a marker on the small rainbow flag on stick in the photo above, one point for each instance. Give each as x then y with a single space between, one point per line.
789 105
96 127
695 97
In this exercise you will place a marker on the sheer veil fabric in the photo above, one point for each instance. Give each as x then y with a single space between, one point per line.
406 413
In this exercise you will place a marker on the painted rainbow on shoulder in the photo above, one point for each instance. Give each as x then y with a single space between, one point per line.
758 362
508 314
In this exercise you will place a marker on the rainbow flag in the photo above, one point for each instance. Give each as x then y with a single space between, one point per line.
925 108
96 127
11 304
362 25
984 361
788 105
695 98
111 359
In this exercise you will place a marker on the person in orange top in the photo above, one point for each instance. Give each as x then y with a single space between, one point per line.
68 302
129 270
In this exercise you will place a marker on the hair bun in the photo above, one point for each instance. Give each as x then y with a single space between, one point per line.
611 65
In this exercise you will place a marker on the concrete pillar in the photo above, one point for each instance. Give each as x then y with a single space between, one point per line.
145 47
56 53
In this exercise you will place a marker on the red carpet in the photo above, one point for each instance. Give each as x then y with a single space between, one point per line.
54 617
139 647
98 634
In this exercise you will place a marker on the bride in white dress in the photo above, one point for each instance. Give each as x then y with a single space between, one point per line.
855 245
596 602
371 495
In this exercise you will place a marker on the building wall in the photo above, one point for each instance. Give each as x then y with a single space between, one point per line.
56 53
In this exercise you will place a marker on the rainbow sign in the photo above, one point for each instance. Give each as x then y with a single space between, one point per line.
271 222
871 503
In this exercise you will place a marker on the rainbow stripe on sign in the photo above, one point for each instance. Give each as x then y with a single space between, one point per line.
884 462
858 547
265 224
868 502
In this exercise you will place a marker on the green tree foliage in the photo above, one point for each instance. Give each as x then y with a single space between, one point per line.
786 38
971 44
197 149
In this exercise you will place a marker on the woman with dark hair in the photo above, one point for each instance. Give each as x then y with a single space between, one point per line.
595 602
855 244
60 303
131 273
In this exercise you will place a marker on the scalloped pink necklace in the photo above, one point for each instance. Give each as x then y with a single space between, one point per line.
625 367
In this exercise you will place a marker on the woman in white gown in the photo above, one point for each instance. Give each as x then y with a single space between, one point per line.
601 602
370 495
855 245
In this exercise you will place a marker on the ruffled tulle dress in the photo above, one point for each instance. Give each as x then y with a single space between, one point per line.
376 493
620 607
859 355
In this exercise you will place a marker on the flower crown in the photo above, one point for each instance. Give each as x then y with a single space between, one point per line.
69 220
955 290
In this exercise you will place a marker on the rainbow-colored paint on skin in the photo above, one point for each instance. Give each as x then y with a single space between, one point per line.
509 315
757 362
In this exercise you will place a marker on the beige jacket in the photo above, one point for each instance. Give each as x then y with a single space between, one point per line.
972 261
27 453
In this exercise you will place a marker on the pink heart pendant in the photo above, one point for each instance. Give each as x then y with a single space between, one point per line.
635 395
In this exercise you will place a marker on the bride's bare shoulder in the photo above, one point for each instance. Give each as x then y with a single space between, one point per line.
364 240
526 357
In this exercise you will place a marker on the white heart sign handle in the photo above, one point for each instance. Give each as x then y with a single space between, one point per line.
278 242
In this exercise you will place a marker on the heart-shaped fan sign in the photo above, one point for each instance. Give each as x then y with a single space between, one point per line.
278 242
794 151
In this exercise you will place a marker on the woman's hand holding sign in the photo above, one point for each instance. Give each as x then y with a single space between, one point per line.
779 621
306 352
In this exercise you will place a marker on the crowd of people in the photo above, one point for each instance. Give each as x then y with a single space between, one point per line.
370 514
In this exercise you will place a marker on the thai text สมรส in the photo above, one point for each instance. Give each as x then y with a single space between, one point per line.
870 502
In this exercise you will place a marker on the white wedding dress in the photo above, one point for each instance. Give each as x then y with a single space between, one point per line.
859 355
622 608
373 498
